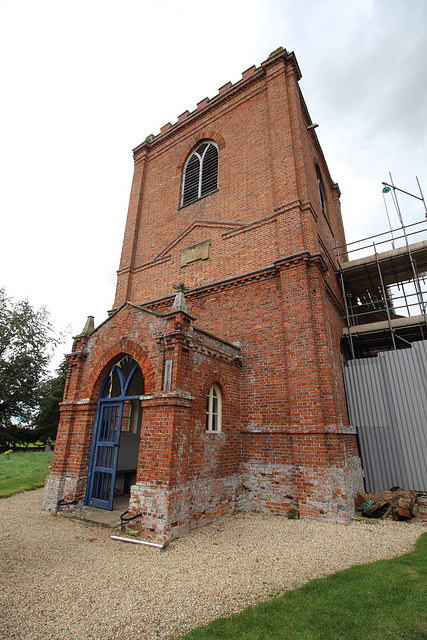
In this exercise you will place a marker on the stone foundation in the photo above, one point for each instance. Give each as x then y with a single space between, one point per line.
65 488
328 491
167 515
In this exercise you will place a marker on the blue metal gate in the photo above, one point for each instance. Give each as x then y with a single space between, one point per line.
104 455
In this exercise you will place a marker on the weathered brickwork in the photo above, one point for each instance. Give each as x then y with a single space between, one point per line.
263 322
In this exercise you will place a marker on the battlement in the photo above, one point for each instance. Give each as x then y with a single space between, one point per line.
250 75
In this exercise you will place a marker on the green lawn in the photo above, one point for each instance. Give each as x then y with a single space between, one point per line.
384 600
23 470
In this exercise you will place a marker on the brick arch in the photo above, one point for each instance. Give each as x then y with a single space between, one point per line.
215 378
202 135
116 352
210 135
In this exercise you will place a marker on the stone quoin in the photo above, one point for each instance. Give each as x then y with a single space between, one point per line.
225 393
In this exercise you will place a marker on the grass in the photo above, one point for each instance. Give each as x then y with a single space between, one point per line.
23 470
379 601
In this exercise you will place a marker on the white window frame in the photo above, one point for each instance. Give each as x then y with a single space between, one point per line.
214 418
200 159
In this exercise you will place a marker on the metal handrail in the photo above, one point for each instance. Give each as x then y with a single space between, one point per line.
124 521
63 503
344 248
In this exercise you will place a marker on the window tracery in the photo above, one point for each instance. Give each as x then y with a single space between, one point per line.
200 173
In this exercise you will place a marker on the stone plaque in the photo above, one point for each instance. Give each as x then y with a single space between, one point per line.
196 252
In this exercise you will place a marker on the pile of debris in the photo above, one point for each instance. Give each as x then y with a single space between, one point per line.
400 504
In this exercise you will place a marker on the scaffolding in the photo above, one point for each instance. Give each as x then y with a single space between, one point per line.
383 280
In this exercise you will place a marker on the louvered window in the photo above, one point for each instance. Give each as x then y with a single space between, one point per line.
321 189
201 172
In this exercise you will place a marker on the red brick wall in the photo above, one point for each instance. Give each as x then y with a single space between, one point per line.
267 160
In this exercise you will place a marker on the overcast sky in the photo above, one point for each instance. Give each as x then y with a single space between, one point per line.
85 82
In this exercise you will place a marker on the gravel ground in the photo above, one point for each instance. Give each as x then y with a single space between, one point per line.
61 578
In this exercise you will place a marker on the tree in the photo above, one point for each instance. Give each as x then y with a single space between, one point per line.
47 417
26 347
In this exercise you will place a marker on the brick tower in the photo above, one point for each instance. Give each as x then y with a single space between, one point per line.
227 393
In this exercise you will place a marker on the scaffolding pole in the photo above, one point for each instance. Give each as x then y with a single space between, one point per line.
385 297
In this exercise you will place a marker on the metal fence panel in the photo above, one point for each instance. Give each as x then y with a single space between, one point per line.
381 462
387 402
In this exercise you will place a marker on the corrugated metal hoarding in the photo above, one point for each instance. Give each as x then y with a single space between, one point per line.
387 402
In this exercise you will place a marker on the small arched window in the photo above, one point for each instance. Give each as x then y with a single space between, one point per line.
214 409
321 189
200 173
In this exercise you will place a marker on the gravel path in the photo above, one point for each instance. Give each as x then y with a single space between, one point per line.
64 579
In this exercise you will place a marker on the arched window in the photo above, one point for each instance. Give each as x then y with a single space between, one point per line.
214 409
200 173
125 379
321 189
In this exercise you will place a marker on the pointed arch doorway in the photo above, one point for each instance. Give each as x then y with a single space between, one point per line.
115 443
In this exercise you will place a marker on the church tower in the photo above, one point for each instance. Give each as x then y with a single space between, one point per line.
226 393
